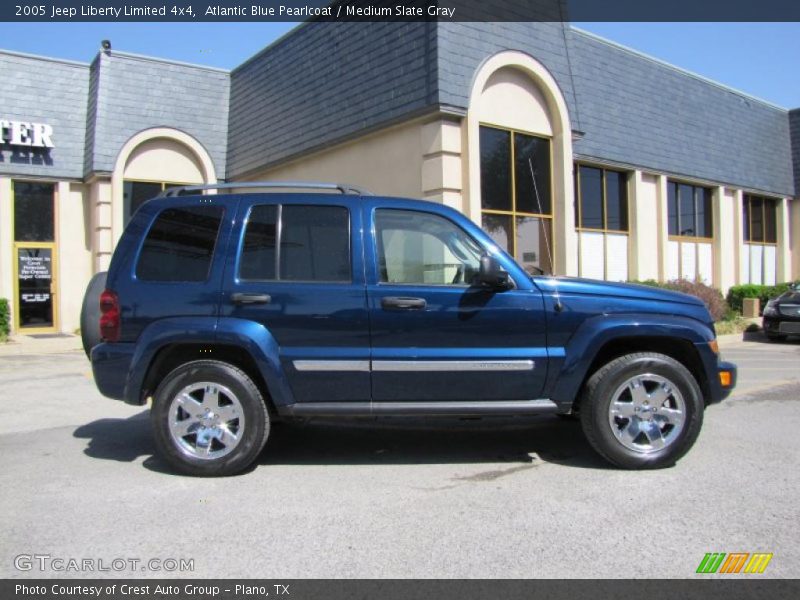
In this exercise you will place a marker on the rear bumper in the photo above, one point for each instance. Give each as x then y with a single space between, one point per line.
111 367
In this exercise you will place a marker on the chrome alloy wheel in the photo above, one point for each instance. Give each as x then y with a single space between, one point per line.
647 413
206 420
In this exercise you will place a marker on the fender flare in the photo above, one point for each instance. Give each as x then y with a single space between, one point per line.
595 332
251 337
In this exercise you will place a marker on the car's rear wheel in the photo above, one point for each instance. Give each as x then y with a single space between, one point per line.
209 419
642 411
90 312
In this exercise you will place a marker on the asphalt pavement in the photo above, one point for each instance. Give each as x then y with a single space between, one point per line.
504 498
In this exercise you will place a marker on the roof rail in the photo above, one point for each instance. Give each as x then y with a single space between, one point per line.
308 185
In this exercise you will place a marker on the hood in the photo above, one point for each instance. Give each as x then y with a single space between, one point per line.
611 289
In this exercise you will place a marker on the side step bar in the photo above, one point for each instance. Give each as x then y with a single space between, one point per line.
412 409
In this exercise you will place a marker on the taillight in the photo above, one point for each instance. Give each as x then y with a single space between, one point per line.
109 316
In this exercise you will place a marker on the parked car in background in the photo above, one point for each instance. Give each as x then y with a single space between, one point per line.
782 315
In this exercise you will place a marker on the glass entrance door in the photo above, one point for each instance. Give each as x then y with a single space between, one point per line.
35 258
35 288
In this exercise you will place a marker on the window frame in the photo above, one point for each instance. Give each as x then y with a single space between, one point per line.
695 186
604 206
278 238
747 209
514 214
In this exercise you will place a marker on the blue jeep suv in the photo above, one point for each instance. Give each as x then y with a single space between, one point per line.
233 310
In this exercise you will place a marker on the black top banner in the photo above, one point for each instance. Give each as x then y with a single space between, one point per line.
399 10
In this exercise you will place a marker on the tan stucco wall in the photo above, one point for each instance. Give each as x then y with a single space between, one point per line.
794 207
388 162
644 244
6 242
725 243
784 250
100 200
511 99
163 159
74 251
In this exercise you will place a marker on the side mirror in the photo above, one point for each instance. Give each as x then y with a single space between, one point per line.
491 275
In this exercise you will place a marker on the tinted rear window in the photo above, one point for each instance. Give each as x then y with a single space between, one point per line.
180 244
314 244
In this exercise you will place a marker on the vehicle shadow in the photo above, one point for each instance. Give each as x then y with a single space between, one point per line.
123 440
760 338
374 442
395 441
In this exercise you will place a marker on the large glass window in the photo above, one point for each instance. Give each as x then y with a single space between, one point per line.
136 193
180 244
689 211
314 244
424 249
516 194
760 220
34 211
602 199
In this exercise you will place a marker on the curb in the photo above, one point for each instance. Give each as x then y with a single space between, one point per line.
22 345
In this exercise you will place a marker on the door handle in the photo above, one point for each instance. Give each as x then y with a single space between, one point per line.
403 303
243 298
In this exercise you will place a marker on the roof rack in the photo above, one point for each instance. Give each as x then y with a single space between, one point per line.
308 185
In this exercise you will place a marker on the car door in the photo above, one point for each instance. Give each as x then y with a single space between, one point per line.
296 273
436 337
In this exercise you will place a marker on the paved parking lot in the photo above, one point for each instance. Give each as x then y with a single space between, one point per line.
503 498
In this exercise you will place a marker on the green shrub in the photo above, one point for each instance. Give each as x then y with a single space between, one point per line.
710 296
763 292
5 319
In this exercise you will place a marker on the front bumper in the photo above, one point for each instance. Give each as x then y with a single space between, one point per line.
781 324
726 379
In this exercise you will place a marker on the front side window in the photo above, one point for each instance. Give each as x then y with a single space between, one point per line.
516 194
296 243
689 211
424 249
180 244
602 197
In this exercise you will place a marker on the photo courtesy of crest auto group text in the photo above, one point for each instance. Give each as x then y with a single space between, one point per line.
399 299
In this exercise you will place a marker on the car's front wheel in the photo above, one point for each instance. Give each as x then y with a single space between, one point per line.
642 411
209 419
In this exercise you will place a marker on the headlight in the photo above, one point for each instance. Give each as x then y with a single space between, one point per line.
770 310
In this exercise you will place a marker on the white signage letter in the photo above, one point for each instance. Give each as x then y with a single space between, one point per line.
41 135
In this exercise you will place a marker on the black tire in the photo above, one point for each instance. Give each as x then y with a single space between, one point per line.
90 312
252 434
595 411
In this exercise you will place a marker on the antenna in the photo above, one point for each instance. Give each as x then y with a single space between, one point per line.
558 306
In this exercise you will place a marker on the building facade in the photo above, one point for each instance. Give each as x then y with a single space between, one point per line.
577 155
